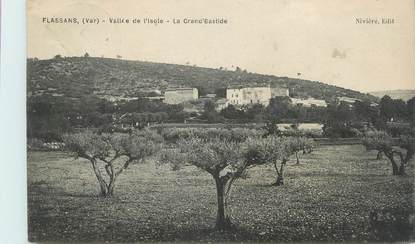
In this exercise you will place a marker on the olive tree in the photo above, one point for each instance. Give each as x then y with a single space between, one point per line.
303 144
399 152
222 158
374 135
112 153
273 150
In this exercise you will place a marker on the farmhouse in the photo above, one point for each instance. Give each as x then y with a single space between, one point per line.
279 92
348 99
180 95
248 95
309 102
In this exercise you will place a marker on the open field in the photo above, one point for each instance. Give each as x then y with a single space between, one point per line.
329 196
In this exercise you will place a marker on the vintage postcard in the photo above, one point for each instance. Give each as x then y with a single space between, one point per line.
217 121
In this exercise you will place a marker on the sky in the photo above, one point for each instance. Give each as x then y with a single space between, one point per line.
318 39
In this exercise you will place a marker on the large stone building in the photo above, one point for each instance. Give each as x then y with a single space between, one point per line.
248 95
180 95
279 92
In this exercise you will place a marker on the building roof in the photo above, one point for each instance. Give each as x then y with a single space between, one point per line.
348 99
247 86
180 88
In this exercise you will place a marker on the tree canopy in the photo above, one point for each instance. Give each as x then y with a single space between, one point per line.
115 152
399 152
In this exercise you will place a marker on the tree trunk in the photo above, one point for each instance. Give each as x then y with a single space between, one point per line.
296 156
279 181
379 156
280 174
104 190
111 186
103 186
222 221
112 176
395 169
401 170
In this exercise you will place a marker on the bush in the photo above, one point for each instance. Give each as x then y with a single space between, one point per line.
340 132
35 144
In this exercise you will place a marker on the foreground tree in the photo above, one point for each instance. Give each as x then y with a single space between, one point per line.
299 142
279 150
399 152
222 158
371 141
272 150
112 153
303 144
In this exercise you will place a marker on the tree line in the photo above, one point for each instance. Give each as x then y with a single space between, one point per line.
50 117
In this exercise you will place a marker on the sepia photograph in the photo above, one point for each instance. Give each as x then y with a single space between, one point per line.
220 121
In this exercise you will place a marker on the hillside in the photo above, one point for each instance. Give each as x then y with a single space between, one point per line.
81 76
395 94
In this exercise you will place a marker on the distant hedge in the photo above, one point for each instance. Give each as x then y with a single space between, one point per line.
235 134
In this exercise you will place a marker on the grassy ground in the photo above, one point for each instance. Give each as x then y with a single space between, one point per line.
329 196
